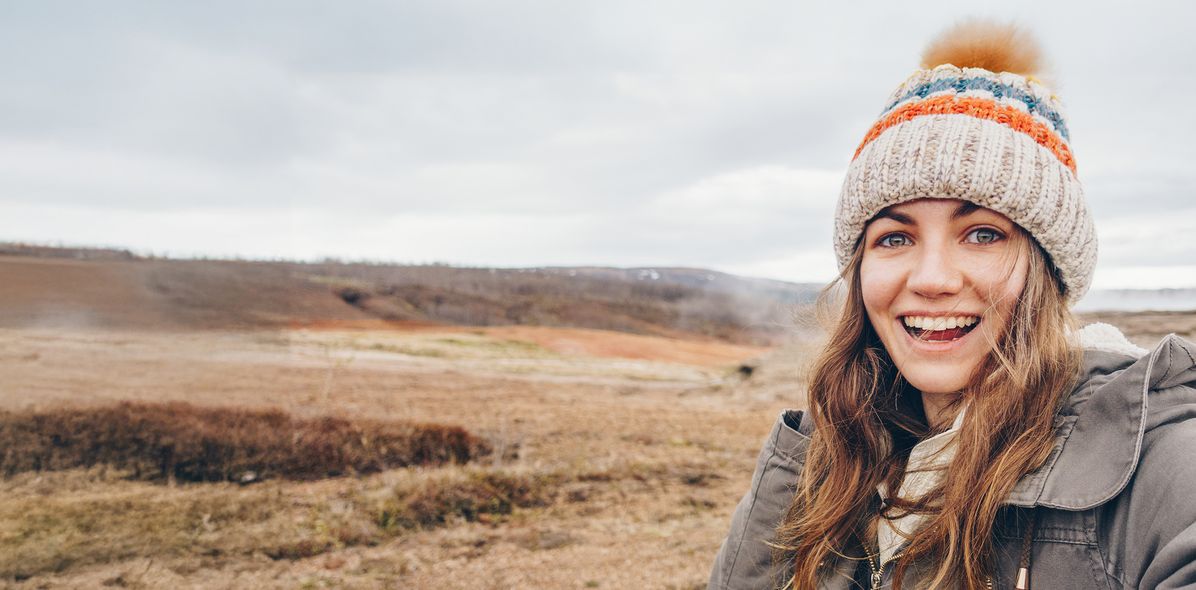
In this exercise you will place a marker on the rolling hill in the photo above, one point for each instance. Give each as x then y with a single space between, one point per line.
103 288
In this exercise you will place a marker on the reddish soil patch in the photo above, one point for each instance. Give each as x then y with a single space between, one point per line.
691 350
580 341
375 324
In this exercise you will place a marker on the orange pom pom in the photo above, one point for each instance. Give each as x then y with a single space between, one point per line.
993 46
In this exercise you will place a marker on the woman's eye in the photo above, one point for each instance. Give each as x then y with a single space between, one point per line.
893 241
984 235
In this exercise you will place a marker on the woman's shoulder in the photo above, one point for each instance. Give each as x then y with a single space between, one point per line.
1169 399
1129 403
1108 354
745 558
1119 368
792 433
1144 410
1163 378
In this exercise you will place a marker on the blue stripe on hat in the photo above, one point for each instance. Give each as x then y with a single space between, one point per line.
998 89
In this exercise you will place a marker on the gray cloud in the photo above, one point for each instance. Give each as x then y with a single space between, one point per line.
689 133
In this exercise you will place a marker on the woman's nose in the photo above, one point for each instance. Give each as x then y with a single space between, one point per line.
935 274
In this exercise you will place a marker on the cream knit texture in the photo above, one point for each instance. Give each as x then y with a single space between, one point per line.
994 165
925 469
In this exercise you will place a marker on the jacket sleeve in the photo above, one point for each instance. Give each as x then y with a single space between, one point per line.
744 560
1156 520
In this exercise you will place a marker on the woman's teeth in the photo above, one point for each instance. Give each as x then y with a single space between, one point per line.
939 323
940 329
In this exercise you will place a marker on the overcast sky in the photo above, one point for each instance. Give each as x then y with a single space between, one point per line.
502 133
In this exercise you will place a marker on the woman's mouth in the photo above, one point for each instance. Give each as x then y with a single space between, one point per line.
939 329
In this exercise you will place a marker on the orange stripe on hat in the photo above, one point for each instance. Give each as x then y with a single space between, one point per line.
981 108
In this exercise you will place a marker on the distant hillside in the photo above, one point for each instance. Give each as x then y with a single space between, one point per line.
638 300
115 289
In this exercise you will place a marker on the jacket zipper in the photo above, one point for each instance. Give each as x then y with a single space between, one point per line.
878 572
878 569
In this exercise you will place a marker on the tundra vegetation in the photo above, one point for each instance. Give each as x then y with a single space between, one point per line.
216 424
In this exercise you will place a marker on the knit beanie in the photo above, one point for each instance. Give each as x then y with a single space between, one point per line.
975 124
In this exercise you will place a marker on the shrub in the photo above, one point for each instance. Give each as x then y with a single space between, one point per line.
191 443
472 497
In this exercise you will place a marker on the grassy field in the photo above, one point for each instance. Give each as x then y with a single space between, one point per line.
606 471
612 460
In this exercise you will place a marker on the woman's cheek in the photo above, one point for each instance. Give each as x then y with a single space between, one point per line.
1003 279
879 282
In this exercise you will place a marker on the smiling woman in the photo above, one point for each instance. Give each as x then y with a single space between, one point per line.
961 431
933 272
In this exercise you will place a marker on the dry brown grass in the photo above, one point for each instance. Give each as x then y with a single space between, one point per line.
43 531
189 443
627 466
469 497
611 467
123 520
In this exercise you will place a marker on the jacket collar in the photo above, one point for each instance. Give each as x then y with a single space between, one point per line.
1100 426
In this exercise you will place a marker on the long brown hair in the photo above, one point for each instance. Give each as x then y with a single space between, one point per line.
867 418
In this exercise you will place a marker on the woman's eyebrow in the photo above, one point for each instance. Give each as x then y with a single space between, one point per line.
895 216
965 208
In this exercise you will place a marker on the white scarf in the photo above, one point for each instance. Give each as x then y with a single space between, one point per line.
928 461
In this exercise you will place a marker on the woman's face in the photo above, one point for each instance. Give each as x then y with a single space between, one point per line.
935 274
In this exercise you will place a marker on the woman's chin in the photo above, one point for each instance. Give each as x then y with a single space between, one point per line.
936 380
